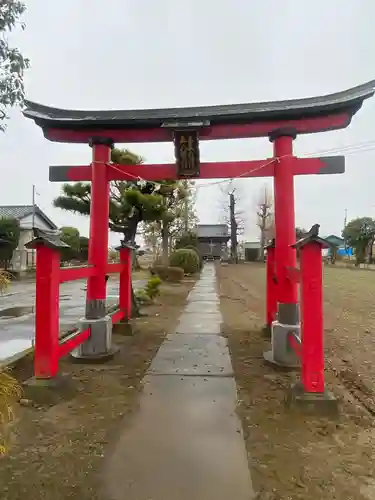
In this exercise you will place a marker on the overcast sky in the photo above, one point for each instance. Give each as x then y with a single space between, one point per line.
165 53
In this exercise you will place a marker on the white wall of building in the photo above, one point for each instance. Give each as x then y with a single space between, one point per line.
24 258
39 223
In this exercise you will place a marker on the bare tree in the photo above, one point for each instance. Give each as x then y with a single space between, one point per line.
151 235
226 189
179 213
265 219
231 215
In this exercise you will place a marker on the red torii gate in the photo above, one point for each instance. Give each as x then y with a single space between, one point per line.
280 121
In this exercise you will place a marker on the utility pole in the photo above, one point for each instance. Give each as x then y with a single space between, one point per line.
33 216
345 223
33 252
233 226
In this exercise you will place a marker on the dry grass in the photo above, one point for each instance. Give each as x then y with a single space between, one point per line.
10 391
293 456
5 280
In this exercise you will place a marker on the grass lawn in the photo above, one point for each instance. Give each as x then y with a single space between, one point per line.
294 456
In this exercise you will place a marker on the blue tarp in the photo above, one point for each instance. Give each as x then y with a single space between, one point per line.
342 251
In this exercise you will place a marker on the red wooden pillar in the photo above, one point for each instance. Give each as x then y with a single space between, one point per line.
271 300
312 313
99 215
285 254
125 299
46 359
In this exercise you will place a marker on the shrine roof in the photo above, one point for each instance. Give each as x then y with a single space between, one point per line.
349 101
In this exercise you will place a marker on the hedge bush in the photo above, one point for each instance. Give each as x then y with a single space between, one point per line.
152 287
187 259
168 273
188 239
192 247
142 298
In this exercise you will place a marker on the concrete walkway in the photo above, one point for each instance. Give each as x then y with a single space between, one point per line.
185 442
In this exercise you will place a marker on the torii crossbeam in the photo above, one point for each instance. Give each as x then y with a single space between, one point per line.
230 169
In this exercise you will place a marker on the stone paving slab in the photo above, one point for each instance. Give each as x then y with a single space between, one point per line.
205 291
204 287
204 355
203 306
185 443
196 323
208 297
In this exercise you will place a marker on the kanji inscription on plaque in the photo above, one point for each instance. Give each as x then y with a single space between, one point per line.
186 144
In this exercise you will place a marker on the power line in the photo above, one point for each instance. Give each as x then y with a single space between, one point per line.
349 149
355 148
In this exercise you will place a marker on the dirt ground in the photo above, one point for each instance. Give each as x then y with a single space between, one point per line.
56 453
293 456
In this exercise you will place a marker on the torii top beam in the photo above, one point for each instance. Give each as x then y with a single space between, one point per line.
304 116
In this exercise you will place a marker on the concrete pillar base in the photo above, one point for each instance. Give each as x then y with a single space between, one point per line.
98 348
269 358
95 358
312 403
95 309
49 391
282 354
288 313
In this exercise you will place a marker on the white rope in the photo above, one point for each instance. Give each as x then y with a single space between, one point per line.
355 148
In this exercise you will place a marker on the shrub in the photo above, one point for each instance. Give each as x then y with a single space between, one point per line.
192 247
10 391
9 238
152 289
187 259
168 273
142 298
187 240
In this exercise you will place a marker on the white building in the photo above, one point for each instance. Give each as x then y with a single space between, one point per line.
29 217
252 250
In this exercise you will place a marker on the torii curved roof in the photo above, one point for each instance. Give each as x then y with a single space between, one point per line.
348 100
261 119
